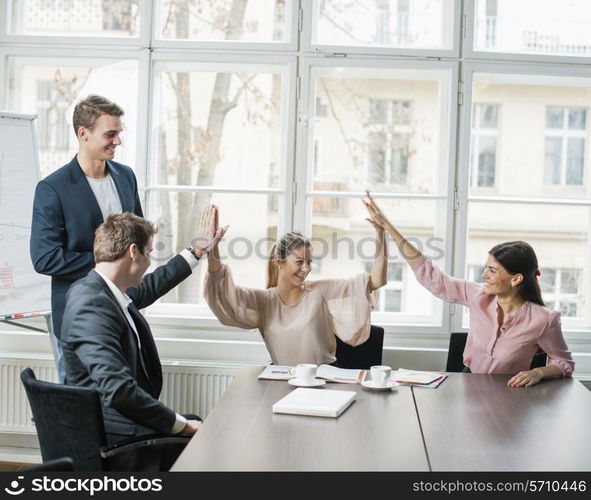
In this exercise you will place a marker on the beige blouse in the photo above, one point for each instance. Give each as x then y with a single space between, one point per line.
304 332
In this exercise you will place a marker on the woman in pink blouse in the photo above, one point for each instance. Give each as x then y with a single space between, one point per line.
508 320
298 319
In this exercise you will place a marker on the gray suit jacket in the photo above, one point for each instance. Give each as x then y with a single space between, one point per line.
101 350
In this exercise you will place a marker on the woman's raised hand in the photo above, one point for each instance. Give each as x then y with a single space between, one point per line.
376 217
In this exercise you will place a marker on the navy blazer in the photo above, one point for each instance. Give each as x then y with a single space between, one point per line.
65 217
101 350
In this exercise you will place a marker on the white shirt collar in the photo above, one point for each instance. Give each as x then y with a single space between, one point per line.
122 299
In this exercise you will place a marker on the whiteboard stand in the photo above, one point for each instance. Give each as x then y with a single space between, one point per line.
13 320
22 289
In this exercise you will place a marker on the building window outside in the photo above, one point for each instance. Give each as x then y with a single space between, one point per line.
560 290
371 112
388 141
390 297
483 154
53 131
566 131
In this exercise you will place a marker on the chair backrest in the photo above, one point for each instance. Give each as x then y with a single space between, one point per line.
455 354
55 465
68 420
364 355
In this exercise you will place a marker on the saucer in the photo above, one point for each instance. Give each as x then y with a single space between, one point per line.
369 384
298 383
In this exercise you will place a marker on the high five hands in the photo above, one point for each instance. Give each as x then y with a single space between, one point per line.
209 233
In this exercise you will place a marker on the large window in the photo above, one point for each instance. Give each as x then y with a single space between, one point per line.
468 121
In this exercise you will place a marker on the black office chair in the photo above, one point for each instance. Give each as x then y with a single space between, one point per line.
455 354
63 464
364 355
69 423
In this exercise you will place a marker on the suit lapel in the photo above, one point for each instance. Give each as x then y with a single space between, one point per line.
123 188
149 354
84 192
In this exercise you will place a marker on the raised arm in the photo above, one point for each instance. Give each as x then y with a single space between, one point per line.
377 218
379 270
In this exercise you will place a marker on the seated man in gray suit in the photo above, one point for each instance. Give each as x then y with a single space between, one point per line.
108 344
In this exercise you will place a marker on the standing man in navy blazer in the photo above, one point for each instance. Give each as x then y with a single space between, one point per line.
72 202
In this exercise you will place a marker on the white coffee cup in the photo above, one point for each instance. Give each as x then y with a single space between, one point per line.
380 375
305 373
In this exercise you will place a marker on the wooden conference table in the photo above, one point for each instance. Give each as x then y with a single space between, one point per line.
470 422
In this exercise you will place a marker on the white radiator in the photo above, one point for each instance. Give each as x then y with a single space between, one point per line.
189 387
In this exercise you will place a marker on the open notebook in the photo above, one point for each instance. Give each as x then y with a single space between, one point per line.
315 402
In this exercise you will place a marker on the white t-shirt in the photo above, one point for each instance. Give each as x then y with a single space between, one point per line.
106 195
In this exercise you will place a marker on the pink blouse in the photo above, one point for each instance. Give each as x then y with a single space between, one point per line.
304 332
510 348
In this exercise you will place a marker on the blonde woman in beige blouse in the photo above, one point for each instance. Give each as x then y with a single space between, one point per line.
298 319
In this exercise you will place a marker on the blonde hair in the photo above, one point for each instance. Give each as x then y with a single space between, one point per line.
281 250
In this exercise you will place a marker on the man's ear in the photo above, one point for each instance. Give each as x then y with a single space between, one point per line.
82 133
133 251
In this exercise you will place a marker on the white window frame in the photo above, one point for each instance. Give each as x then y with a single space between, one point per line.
301 55
309 46
285 66
565 134
469 19
577 328
313 67
477 133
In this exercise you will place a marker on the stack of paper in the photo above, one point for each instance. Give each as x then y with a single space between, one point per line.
326 372
418 378
315 402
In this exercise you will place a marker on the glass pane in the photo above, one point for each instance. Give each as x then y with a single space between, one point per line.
410 24
218 128
534 113
547 280
50 88
345 243
105 18
395 271
575 161
246 21
554 117
393 301
553 160
253 230
394 142
533 27
569 281
559 235
577 119
487 153
487 115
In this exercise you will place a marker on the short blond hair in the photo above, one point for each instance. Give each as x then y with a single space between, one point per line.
114 236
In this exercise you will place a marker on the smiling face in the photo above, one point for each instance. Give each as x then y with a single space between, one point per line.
100 142
497 280
295 268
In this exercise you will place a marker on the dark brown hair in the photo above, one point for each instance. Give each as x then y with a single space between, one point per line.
114 236
518 257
